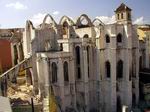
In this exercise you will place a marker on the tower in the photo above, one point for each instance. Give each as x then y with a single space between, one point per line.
123 14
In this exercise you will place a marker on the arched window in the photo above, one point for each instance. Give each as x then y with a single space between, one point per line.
66 75
86 36
107 39
78 70
119 38
78 55
54 72
88 59
133 100
119 106
107 68
120 69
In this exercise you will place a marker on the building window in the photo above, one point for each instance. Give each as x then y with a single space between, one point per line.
119 38
121 15
54 72
66 75
129 16
119 69
88 60
107 39
119 107
78 70
118 16
108 68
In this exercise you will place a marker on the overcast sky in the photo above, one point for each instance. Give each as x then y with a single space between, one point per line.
14 13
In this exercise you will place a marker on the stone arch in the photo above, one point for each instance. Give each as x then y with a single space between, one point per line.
98 21
66 19
80 20
86 36
53 24
29 25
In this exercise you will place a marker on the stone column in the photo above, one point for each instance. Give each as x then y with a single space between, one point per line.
72 75
86 79
113 81
46 100
60 82
127 87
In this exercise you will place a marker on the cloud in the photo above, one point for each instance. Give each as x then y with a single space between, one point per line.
38 18
55 13
139 20
17 5
107 20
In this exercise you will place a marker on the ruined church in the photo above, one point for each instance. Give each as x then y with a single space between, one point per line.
89 65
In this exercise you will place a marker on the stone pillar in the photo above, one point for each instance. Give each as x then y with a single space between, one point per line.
113 82
60 82
72 76
46 101
147 53
35 75
127 89
86 79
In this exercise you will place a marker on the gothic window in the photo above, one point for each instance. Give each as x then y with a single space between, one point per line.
88 60
78 70
121 15
119 107
107 67
118 16
129 16
66 75
78 55
107 39
133 100
120 69
54 72
119 38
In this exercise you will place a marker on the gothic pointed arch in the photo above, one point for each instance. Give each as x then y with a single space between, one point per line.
83 21
52 23
97 21
66 19
29 25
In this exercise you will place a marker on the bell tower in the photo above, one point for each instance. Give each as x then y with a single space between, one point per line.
123 14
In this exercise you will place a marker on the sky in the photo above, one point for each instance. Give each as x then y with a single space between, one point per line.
14 13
